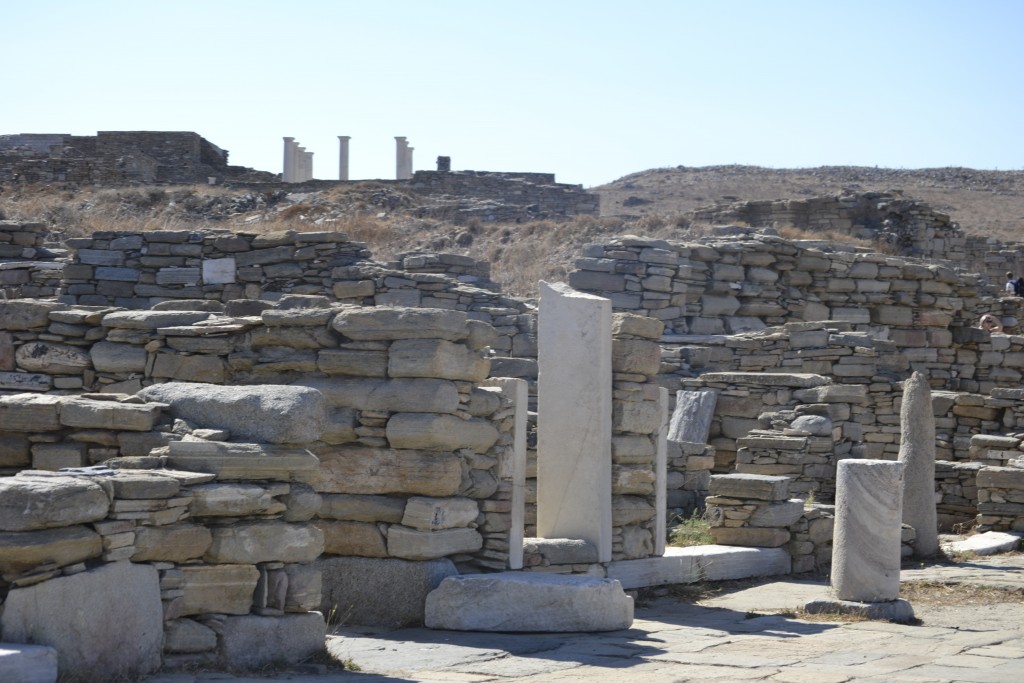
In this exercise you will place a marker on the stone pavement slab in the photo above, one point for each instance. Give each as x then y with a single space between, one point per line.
732 637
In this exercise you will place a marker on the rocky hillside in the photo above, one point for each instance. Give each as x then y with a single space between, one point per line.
393 219
983 202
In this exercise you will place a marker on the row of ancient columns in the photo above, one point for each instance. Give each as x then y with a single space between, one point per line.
298 163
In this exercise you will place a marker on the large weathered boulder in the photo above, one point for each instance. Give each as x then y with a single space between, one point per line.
262 413
40 502
105 623
389 593
516 601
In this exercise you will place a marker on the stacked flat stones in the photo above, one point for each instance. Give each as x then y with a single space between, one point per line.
751 510
27 268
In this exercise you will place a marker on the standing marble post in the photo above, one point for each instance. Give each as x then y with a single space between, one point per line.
866 542
408 162
288 172
309 166
917 453
400 146
574 417
343 156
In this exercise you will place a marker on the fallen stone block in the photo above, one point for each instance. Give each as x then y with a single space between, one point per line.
757 486
988 543
516 601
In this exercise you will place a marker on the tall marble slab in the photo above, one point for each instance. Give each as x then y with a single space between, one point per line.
917 453
661 477
574 417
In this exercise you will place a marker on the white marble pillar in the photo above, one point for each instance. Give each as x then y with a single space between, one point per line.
408 162
400 145
866 541
917 453
661 477
517 390
343 156
288 173
309 166
574 417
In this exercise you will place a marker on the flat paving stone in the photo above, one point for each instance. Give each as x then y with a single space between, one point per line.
738 636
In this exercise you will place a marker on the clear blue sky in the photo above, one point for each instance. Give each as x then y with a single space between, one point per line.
589 90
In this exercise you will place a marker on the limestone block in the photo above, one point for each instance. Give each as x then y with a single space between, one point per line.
114 357
815 425
27 663
143 485
354 289
750 537
53 359
717 305
359 539
514 601
400 323
358 469
358 508
218 589
757 486
305 588
637 356
30 502
777 514
381 395
388 593
15 451
598 282
637 417
631 510
197 368
562 550
917 453
637 542
356 362
55 456
240 461
113 415
632 448
183 636
265 541
410 544
431 514
866 542
340 426
151 320
26 314
1011 478
433 432
251 642
631 325
171 543
263 413
110 621
233 500
24 551
301 503
630 479
436 358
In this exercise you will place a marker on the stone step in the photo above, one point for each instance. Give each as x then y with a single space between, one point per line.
522 601
988 543
700 563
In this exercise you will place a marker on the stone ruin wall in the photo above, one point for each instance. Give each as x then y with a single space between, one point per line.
413 457
112 158
509 197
